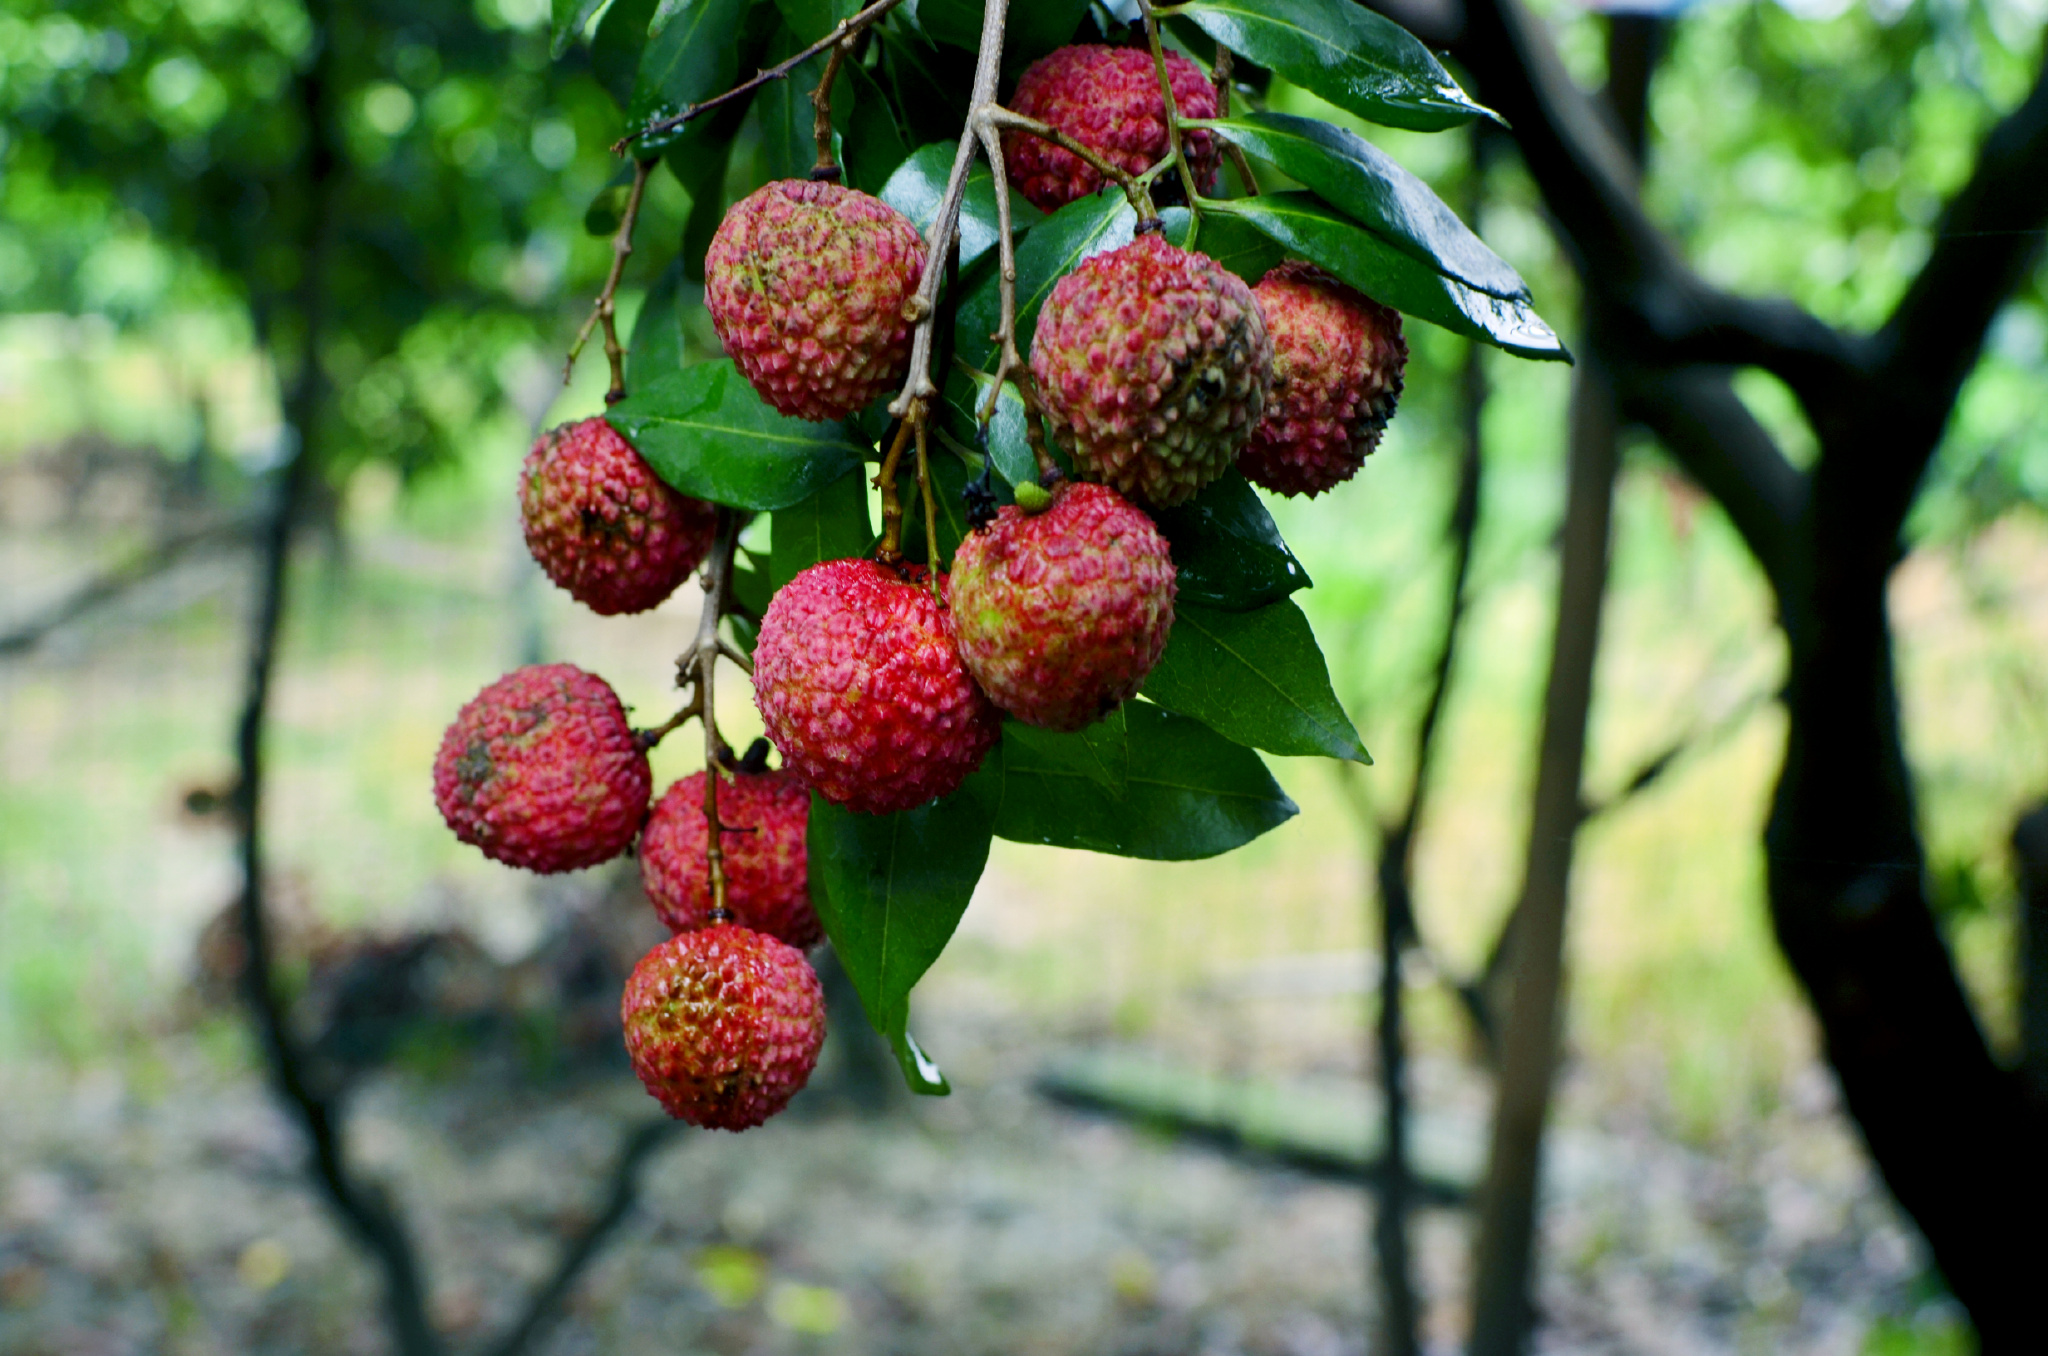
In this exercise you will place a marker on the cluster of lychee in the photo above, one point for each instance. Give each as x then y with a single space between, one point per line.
1155 370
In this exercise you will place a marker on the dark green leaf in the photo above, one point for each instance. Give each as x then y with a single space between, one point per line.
830 525
890 889
606 210
1358 178
949 477
1078 230
1344 53
568 20
1189 792
1311 229
1101 753
656 348
616 49
789 142
874 144
1256 678
813 19
1236 244
707 433
751 589
691 55
699 164
1008 447
1034 28
918 188
1226 551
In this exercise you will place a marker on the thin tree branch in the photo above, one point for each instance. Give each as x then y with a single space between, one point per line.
601 313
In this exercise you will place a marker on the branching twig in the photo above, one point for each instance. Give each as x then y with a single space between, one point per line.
891 549
997 117
1173 148
602 312
779 71
703 661
931 515
827 167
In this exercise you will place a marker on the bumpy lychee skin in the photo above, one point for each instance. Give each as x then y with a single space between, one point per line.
723 1025
1338 357
541 770
603 526
766 883
860 685
1152 365
1061 614
806 284
1106 98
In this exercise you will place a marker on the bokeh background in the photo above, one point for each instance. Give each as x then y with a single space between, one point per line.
1705 1192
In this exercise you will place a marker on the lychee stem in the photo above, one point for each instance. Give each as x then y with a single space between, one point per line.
1219 80
1010 365
1173 150
931 514
827 168
779 71
891 549
602 312
1133 185
704 654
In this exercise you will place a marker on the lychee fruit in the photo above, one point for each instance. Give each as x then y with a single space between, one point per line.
807 283
541 770
603 526
1338 357
1152 364
1061 614
1106 98
723 1025
860 685
767 888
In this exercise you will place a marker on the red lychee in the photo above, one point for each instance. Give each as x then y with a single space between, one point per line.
723 1025
861 687
541 770
1338 357
766 885
1152 365
1106 98
603 525
1061 614
806 283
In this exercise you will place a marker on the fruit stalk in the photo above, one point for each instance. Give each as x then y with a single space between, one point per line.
704 655
827 167
602 312
1173 150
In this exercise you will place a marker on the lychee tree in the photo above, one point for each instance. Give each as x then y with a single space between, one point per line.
1016 271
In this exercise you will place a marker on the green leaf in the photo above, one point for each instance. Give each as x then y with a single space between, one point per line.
751 588
707 433
1359 179
569 18
1237 245
656 349
789 142
1189 792
918 188
813 19
607 209
950 475
890 889
1078 230
1226 551
1008 446
1309 228
1256 678
1034 28
699 165
616 48
691 55
830 525
873 144
1344 53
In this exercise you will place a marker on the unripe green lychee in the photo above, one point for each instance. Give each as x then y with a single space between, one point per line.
1152 365
767 886
1061 614
723 1025
807 284
860 686
1338 358
541 770
603 526
1106 98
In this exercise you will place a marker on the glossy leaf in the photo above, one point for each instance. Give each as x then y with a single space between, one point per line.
813 19
616 47
1075 232
1008 446
1344 53
1189 792
1226 551
1035 27
890 890
1311 229
1230 241
918 188
700 169
950 475
568 19
707 433
830 525
656 348
1256 678
1361 180
692 54
788 122
873 146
